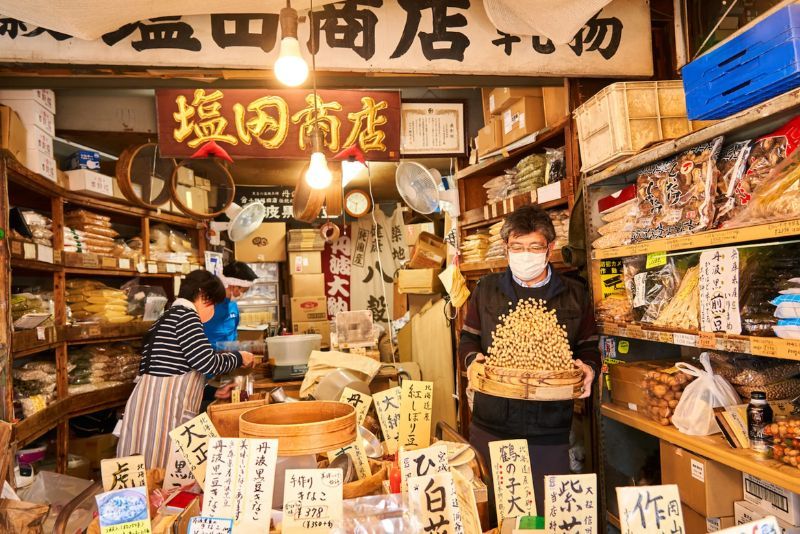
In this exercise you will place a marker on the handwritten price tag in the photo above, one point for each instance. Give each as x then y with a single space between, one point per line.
707 340
764 346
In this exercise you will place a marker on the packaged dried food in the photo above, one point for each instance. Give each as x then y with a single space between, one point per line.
649 290
88 216
683 310
624 224
783 390
675 196
731 164
664 389
614 308
777 198
628 209
751 371
555 169
616 239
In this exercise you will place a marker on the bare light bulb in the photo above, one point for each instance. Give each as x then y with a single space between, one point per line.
351 169
318 175
290 68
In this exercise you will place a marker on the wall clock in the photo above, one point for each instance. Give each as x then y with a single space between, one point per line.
357 203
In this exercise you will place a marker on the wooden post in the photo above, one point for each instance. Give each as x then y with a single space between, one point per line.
6 359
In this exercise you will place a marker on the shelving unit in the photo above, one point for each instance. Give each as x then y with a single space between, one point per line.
16 183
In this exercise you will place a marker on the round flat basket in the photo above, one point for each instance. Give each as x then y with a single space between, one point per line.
308 427
526 385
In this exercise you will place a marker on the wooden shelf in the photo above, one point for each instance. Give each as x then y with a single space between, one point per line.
494 212
713 447
105 333
101 271
497 164
34 265
764 113
775 230
773 347
33 427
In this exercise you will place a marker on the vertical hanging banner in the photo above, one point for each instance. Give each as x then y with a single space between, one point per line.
278 123
453 37
650 510
337 266
719 291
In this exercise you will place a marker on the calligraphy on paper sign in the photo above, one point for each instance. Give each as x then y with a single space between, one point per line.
423 462
434 503
337 267
570 503
650 510
513 479
191 438
416 404
387 405
312 500
360 401
122 473
278 123
210 525
719 291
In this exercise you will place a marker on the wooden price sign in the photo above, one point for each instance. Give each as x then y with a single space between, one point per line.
423 462
358 455
122 473
191 438
513 479
239 482
178 472
416 404
433 500
650 510
387 404
570 503
312 500
360 401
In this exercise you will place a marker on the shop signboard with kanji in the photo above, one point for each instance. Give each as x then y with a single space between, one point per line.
278 123
409 36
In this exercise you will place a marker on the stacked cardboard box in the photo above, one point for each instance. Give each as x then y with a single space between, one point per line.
307 284
36 109
762 498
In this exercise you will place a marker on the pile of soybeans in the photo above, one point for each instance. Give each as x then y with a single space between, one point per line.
530 338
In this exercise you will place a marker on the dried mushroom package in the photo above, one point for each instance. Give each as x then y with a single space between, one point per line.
778 198
649 290
731 166
675 196
764 273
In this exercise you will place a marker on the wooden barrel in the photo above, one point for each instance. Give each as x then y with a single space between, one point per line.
526 385
301 428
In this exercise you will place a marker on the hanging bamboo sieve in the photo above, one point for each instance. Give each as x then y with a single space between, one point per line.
301 428
526 384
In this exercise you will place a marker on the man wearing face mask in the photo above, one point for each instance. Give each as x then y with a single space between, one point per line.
529 236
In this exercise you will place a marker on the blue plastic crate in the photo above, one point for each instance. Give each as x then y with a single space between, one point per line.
755 66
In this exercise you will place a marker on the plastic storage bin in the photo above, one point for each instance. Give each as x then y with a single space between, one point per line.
293 350
625 117
746 70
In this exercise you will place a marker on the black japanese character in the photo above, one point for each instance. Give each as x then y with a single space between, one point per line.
437 504
58 36
168 32
419 461
12 27
399 254
540 47
187 431
564 526
435 526
603 35
506 40
642 508
241 35
371 272
512 503
442 22
343 24
378 308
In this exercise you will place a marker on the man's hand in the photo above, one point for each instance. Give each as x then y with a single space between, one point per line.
247 359
479 358
224 392
588 378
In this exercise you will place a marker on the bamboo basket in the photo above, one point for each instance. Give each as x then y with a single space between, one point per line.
301 428
225 415
526 385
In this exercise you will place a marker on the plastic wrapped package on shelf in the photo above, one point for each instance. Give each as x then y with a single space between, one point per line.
34 387
93 301
97 366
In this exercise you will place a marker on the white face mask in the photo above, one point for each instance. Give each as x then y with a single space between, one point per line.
527 265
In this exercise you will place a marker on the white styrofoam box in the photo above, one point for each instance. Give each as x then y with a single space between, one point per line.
41 163
32 113
746 512
90 181
774 500
45 97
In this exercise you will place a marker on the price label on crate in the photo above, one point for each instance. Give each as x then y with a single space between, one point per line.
656 259
764 346
706 340
687 340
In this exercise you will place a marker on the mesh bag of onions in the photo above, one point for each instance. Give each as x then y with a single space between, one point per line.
531 338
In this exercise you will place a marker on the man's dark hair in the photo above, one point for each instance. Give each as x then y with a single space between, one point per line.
527 219
202 283
239 270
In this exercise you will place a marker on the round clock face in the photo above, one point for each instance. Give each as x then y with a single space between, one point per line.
357 203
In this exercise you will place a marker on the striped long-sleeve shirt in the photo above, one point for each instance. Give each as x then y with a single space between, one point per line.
179 345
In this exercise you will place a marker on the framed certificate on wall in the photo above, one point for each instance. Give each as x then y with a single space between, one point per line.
432 128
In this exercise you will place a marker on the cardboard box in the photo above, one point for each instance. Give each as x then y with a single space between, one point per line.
747 512
36 139
248 334
626 382
419 281
91 182
83 159
33 114
322 328
202 183
522 118
695 522
549 192
706 486
305 262
185 176
773 499
95 448
307 285
266 244
404 347
490 137
308 309
41 163
13 134
502 98
556 104
43 97
430 251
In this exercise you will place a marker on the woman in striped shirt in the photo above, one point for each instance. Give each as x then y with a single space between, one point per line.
176 355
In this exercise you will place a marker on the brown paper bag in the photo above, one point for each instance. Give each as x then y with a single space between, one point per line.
22 517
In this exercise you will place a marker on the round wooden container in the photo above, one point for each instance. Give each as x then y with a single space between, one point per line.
526 385
301 428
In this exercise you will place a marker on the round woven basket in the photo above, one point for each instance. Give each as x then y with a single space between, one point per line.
301 428
526 385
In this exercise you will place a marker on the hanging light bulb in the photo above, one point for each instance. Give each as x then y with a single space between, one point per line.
318 175
290 68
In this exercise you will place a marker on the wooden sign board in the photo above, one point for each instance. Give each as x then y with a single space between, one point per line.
358 456
650 509
433 501
123 473
423 462
570 503
416 405
513 479
387 405
191 438
312 501
360 401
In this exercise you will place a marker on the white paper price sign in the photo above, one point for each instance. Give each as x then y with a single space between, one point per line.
192 440
513 479
434 502
122 473
360 401
387 404
210 525
423 462
178 472
767 525
416 404
570 503
650 510
719 291
239 481
312 500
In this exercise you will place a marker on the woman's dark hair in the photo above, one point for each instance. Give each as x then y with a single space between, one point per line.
528 219
240 271
202 283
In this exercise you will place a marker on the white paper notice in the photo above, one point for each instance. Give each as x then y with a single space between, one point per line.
650 510
719 291
312 501
570 503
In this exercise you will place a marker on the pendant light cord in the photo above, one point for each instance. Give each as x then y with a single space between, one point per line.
316 143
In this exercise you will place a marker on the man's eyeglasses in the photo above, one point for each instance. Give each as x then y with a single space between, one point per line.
536 249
